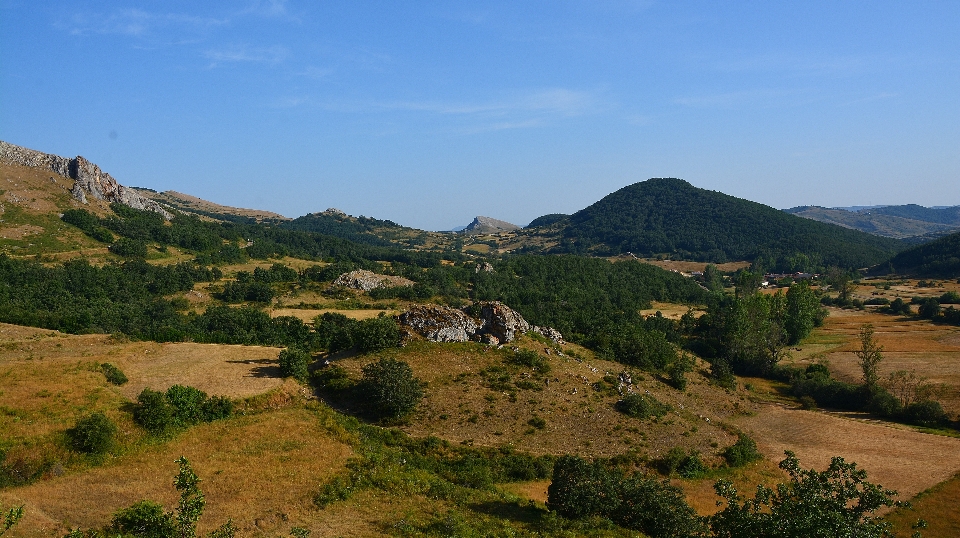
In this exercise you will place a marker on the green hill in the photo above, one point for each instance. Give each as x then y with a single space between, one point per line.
670 216
936 258
942 215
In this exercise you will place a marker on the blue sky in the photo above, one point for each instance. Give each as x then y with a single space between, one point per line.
430 113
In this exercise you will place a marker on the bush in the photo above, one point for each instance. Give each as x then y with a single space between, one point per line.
531 359
334 331
113 374
216 408
742 452
390 388
925 413
640 406
293 363
722 374
371 335
152 411
93 434
145 519
686 465
187 404
129 248
677 371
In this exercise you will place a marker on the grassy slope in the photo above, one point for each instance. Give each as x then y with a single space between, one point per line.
873 222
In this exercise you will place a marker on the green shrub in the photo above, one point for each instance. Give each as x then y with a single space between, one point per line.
722 374
293 363
678 462
93 434
216 408
334 377
187 404
129 248
537 422
532 359
742 452
390 388
677 370
808 403
642 406
925 413
113 374
152 411
145 519
376 334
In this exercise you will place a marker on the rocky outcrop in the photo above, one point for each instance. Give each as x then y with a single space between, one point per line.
439 323
364 280
501 321
487 225
89 179
498 324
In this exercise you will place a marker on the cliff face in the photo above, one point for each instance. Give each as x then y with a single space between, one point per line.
89 179
487 225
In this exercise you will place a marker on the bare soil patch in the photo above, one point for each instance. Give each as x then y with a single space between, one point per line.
896 457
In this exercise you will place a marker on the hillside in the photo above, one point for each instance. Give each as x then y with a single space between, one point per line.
487 225
873 221
186 203
672 217
936 258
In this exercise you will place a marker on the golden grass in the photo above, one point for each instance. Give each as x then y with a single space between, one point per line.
937 506
895 456
308 314
669 310
262 471
579 420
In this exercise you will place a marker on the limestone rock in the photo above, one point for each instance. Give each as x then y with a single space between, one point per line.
364 280
502 321
487 225
89 179
486 267
549 333
439 323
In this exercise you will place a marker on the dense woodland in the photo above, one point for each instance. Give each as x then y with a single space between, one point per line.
671 217
936 258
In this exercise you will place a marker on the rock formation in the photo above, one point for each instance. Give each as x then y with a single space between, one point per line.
439 323
498 324
487 225
89 179
364 280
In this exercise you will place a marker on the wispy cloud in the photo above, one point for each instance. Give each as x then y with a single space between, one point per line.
137 23
245 53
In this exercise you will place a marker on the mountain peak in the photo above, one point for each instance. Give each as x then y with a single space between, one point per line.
487 225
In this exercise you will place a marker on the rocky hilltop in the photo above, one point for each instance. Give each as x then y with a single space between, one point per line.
89 179
487 225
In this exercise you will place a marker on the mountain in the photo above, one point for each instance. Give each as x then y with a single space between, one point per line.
547 220
670 216
878 221
487 225
936 258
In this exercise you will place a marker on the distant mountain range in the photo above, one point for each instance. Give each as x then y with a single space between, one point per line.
900 221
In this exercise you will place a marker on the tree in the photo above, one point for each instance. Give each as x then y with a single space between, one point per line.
869 356
376 334
390 388
293 363
835 503
803 312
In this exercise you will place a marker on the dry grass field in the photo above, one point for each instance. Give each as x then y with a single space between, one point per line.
308 314
938 506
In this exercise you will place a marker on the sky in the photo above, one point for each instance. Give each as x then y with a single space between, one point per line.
429 113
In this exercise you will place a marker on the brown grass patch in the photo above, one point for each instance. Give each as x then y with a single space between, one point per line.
687 267
669 310
896 457
307 314
19 232
261 471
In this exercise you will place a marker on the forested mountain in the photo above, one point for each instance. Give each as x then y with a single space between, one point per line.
670 216
936 258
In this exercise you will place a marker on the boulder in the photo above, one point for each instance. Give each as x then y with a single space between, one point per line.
439 323
501 321
548 332
364 280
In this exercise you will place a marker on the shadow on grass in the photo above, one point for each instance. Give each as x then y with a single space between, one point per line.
519 512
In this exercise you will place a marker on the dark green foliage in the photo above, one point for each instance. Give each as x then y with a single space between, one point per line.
670 216
679 462
925 413
93 434
334 378
835 503
359 230
113 374
293 363
581 489
547 220
638 347
803 312
238 292
677 371
950 297
929 308
722 374
145 519
936 258
152 411
530 359
129 248
390 388
178 407
376 334
537 422
898 307
742 452
642 406
334 331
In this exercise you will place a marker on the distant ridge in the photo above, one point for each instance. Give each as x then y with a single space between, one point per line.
191 204
909 221
487 225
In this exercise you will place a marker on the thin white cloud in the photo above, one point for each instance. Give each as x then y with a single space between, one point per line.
244 53
138 23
